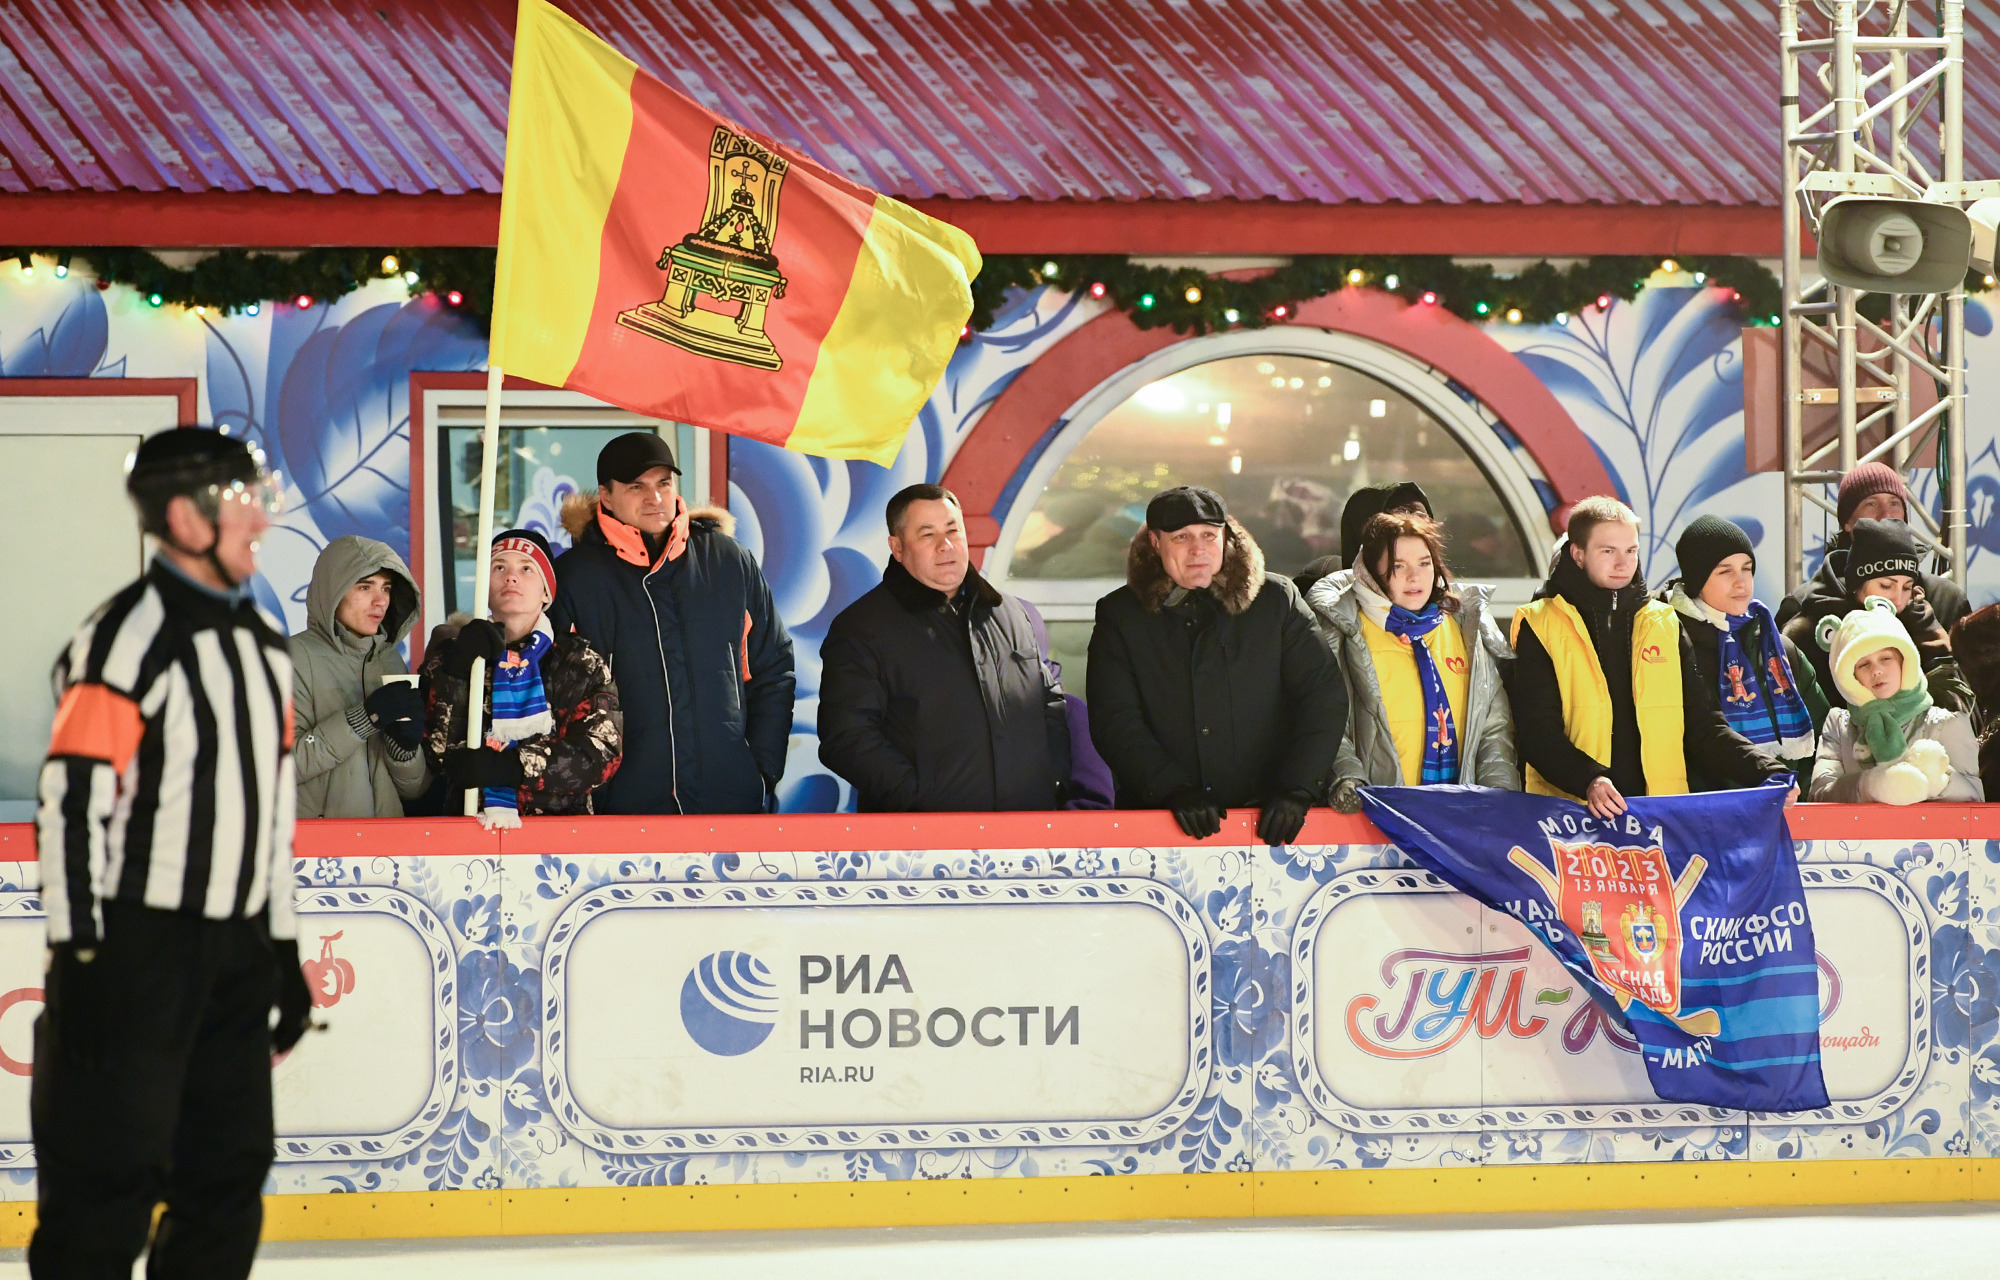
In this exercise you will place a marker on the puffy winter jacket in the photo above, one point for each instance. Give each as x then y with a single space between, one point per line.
1842 773
1368 748
564 766
702 660
930 705
1229 688
345 768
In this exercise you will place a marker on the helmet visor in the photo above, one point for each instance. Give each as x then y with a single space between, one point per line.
265 492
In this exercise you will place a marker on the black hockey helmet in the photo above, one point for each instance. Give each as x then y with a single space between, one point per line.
203 465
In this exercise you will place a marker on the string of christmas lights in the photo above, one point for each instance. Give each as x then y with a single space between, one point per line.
1186 298
238 281
1191 300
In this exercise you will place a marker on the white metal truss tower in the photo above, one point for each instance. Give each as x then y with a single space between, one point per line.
1871 108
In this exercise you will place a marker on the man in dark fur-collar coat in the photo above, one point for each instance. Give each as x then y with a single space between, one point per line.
933 694
1210 687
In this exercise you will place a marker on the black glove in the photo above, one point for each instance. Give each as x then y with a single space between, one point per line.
476 639
1196 811
1284 816
469 767
295 1002
397 711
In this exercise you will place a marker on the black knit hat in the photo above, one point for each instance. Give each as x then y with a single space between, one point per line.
1706 543
1880 549
1365 504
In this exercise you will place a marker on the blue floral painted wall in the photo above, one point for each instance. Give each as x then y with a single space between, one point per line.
1656 385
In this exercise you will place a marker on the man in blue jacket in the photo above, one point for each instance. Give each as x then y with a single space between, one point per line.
702 660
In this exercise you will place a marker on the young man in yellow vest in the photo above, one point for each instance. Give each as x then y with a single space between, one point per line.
1607 700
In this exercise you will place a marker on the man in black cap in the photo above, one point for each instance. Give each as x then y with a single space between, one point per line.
1209 685
701 657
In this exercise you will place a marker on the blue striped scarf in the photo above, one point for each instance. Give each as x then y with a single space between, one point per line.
1760 698
1440 735
520 704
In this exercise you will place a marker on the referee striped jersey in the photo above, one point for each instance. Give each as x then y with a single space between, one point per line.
169 781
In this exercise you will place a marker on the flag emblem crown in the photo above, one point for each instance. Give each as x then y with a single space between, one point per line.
1640 962
728 258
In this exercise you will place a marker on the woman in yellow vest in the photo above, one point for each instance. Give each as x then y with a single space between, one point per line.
1608 701
1421 656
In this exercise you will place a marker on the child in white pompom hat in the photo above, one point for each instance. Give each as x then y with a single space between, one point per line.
1889 745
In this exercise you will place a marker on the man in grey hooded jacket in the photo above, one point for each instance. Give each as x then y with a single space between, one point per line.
358 739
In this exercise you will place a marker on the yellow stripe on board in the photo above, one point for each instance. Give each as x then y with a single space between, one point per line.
1572 1188
888 345
569 118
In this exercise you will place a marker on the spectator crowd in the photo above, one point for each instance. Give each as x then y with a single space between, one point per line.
646 670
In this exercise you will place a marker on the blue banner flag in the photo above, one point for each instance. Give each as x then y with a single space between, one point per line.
1684 919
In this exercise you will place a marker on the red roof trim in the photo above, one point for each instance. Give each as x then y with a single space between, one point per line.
1305 102
1147 227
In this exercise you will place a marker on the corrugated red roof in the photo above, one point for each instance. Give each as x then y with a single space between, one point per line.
1567 102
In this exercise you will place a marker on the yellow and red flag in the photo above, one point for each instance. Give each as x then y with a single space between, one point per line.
656 256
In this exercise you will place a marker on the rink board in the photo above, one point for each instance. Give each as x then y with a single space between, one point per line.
656 1024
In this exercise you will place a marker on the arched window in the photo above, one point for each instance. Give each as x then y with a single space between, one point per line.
1285 424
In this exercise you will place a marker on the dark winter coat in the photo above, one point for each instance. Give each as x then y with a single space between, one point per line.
1230 688
1826 597
1947 602
703 662
1715 753
938 705
563 766
1976 642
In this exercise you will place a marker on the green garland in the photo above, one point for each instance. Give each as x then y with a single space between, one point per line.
1188 299
238 280
1193 301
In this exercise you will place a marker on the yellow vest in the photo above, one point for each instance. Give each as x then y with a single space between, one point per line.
1403 689
1586 698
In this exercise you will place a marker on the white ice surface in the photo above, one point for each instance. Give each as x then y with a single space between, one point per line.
1923 1243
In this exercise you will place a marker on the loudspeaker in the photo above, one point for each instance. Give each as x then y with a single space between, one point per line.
1894 246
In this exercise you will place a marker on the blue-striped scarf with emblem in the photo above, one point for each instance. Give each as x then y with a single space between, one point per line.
520 704
1440 734
1760 698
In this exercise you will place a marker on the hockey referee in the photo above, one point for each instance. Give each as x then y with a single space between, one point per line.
165 834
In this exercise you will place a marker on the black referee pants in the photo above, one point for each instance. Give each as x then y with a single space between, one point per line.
153 1083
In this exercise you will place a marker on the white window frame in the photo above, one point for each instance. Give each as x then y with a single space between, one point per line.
1074 599
466 406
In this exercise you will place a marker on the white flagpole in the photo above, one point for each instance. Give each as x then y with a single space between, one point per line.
482 571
